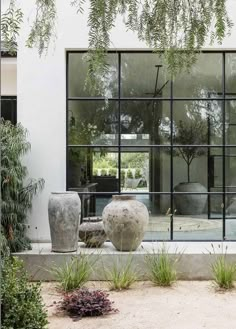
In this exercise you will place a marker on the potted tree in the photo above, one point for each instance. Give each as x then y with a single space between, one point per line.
188 134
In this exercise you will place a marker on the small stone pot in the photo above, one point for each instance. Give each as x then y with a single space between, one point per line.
91 232
64 210
125 220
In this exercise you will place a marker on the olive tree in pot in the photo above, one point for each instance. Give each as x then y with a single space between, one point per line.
189 134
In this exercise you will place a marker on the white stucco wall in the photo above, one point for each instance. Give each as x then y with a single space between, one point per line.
41 91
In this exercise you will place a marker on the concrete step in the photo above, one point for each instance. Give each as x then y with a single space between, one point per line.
193 259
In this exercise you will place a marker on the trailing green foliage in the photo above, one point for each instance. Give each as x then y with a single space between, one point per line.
43 28
121 275
21 302
10 27
73 274
177 28
161 268
16 195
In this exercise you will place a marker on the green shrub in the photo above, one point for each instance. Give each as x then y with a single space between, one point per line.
95 172
224 273
161 268
21 302
73 274
138 173
103 172
112 172
129 174
16 191
122 177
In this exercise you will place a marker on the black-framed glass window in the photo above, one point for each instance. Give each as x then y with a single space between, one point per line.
9 108
172 143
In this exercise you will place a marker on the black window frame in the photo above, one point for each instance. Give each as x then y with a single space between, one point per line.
171 99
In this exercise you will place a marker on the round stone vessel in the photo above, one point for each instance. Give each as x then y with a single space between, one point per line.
64 210
125 220
91 232
190 204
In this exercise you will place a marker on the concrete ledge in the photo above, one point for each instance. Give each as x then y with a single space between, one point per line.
194 258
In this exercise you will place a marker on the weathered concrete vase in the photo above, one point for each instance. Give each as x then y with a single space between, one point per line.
64 210
190 204
92 233
125 220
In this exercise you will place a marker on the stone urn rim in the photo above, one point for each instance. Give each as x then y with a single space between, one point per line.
121 197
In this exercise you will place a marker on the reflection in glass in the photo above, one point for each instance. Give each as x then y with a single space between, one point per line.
230 75
147 122
230 127
78 73
197 122
197 227
98 166
230 225
92 123
142 75
204 77
145 170
190 166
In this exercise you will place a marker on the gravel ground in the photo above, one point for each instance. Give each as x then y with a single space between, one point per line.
186 305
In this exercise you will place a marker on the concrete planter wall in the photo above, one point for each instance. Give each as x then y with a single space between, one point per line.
64 209
190 204
125 220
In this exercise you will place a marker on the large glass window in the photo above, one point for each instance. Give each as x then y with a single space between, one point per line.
169 142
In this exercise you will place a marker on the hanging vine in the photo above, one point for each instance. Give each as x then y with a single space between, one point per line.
177 28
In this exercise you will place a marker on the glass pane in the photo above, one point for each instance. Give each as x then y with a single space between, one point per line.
204 78
77 74
230 169
230 224
230 75
145 169
159 221
230 127
8 109
192 222
92 122
145 122
95 166
142 75
197 122
190 169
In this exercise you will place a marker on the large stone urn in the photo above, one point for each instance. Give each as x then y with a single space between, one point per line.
125 220
190 204
64 210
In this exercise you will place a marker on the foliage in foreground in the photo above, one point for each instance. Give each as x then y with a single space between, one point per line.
21 302
161 268
73 274
16 194
178 28
121 275
83 303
